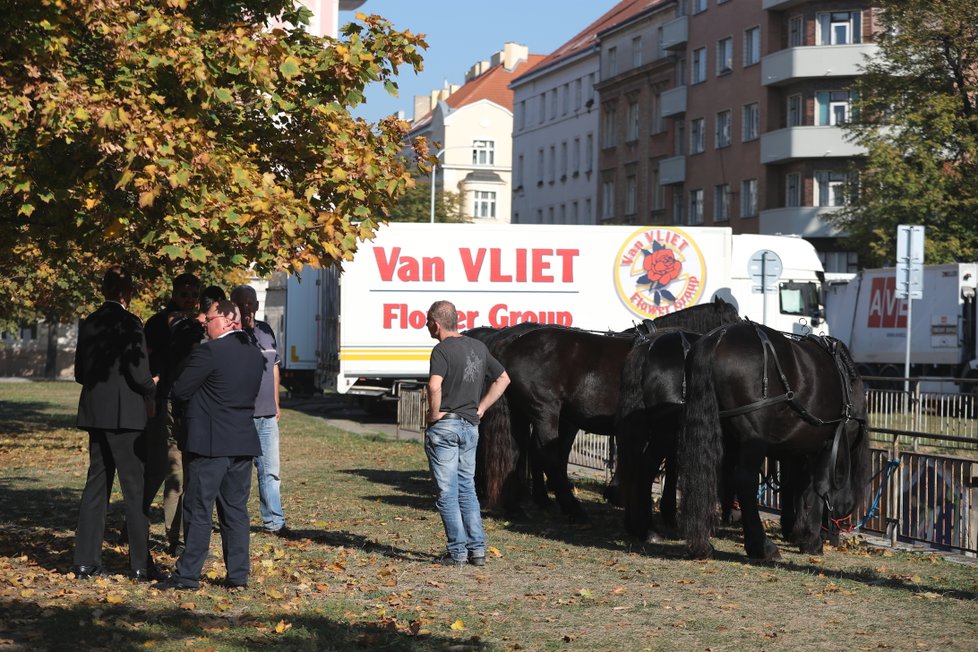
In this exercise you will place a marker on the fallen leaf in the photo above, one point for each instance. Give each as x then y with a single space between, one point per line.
458 625
282 627
494 551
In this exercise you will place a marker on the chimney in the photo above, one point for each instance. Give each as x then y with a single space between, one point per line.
512 54
422 105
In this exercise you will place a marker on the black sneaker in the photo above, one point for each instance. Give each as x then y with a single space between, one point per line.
477 560
285 533
448 560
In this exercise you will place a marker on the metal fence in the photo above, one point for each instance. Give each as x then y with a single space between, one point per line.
914 496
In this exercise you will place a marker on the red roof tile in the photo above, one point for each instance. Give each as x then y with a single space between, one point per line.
621 12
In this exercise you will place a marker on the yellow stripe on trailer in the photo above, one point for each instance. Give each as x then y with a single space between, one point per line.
385 354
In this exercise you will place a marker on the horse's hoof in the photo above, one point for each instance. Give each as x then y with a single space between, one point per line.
612 495
699 551
811 547
578 518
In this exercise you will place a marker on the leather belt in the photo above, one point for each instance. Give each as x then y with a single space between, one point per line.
452 416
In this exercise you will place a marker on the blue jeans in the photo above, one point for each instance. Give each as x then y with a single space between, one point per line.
450 446
269 480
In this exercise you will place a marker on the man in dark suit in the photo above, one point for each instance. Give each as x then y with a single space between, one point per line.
219 384
117 397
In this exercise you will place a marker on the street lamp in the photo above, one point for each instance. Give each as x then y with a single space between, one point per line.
438 154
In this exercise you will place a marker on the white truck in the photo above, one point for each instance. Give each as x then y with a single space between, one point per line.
864 313
364 330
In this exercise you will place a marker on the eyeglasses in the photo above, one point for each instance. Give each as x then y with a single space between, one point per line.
214 317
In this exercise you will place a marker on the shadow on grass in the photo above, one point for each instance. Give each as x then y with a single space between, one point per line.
34 418
90 626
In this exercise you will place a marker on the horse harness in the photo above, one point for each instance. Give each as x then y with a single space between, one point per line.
833 348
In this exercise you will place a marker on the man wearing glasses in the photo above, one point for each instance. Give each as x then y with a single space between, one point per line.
219 385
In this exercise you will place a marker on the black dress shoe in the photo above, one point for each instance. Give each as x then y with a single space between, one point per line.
149 575
86 572
175 549
171 584
285 533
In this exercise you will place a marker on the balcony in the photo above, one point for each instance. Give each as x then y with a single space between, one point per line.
822 61
672 170
675 33
780 5
673 102
794 143
806 221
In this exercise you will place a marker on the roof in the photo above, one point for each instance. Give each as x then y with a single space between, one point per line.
588 38
492 85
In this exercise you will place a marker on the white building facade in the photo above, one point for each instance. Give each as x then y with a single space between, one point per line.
555 128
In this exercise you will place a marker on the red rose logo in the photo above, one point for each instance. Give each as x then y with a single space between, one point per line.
661 267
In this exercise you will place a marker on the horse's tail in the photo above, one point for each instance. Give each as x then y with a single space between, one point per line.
700 448
631 435
497 456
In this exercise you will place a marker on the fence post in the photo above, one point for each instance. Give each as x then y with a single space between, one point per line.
918 413
971 519
896 495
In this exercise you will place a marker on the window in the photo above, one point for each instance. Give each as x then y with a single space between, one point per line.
483 152
612 62
721 203
590 88
540 167
485 204
588 152
723 129
796 34
678 206
563 161
539 216
610 138
656 194
576 154
608 199
830 187
697 137
543 108
792 190
725 55
521 117
563 213
631 195
656 125
632 121
698 70
565 92
588 215
680 145
636 52
552 168
832 107
578 94
748 198
696 206
794 111
752 46
839 28
550 215
699 5
680 70
553 104
575 214
752 121
519 171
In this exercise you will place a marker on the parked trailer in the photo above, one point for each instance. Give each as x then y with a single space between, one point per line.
602 278
864 313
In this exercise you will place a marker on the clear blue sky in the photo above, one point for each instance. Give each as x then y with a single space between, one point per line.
460 33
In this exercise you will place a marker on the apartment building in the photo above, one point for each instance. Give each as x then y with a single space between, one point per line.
638 76
556 124
472 125
759 142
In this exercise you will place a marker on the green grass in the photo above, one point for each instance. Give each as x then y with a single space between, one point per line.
362 578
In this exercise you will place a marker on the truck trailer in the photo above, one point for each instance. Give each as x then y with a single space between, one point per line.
865 313
363 330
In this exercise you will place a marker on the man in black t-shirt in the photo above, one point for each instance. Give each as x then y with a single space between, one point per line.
459 367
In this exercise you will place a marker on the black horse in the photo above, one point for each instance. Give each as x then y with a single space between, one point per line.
649 420
754 392
563 380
